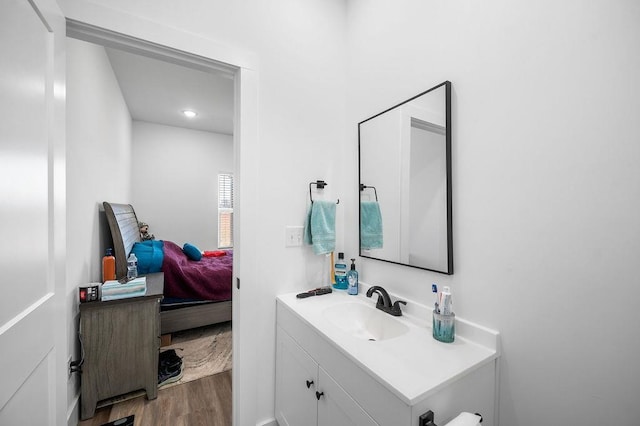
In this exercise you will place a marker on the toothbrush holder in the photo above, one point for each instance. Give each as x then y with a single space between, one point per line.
444 327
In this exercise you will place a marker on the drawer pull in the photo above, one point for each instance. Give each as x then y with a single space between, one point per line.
318 395
309 383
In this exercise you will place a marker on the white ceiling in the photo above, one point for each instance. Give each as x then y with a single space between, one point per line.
158 92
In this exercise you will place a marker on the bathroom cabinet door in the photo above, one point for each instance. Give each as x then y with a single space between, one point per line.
296 380
336 407
306 395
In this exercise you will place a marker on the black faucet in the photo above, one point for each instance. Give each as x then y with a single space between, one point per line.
384 301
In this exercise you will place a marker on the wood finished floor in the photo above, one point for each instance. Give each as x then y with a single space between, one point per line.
202 402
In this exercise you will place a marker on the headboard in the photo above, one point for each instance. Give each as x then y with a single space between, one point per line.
123 224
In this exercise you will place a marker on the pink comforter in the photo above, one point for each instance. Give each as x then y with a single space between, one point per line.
209 278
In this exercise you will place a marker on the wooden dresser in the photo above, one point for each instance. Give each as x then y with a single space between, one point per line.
121 342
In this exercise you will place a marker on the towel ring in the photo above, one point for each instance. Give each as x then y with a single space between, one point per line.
320 184
363 187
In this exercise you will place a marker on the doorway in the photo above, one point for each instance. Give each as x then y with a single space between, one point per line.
244 119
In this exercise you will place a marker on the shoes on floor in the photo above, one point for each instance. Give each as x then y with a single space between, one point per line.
170 367
169 360
170 376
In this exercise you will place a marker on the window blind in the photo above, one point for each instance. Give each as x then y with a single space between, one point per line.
225 210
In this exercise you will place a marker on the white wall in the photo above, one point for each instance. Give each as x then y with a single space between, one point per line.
546 192
98 169
175 181
546 99
299 54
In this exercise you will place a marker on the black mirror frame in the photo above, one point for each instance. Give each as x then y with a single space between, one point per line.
448 139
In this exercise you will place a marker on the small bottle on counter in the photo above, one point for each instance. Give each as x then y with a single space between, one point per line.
340 273
108 266
132 267
352 278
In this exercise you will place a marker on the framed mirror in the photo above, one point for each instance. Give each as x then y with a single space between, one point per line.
404 158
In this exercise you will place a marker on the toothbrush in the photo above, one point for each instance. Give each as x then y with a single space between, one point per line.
434 290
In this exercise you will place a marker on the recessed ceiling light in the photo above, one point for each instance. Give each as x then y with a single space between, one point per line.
189 114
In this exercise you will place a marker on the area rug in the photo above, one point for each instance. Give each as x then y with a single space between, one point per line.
205 351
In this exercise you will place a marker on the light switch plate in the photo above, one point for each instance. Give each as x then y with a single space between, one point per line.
293 236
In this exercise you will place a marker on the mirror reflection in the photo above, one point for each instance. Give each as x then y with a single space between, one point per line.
405 182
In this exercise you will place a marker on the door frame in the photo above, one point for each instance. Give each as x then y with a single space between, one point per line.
186 49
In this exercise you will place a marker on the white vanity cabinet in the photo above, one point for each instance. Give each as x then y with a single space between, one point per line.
327 377
296 379
307 395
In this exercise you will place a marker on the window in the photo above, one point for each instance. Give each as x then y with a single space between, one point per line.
225 210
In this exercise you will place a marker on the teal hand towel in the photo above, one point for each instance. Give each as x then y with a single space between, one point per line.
320 227
370 225
308 240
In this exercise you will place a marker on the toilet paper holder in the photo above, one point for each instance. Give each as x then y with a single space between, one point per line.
427 419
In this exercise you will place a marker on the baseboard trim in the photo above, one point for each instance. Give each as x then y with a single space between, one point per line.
270 422
72 412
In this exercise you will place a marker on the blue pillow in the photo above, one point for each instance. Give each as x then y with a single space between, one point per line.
192 251
150 255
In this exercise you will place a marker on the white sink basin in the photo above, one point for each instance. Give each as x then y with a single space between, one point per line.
364 321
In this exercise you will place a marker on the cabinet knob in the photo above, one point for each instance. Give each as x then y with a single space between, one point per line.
309 383
318 395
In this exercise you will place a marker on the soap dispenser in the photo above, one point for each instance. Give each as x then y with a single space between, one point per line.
352 279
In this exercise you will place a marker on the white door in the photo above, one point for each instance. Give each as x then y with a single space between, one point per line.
32 214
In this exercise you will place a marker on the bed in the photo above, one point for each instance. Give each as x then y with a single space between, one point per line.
196 293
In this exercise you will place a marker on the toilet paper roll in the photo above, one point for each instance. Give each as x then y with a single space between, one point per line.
465 419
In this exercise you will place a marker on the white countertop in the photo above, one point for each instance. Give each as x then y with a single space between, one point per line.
412 366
